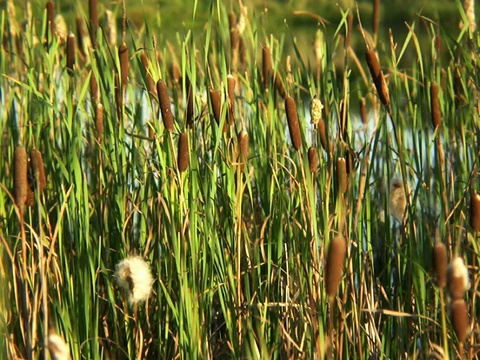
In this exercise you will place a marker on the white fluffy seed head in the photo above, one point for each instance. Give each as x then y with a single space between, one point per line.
316 108
397 199
133 274
59 350
457 275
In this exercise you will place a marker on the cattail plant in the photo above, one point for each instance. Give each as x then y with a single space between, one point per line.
475 212
312 158
279 84
457 278
57 346
165 109
335 263
342 180
118 95
397 200
293 124
242 139
316 108
70 53
94 89
231 98
469 7
134 275
190 105
183 159
38 170
81 37
99 121
376 17
323 134
378 78
150 83
216 101
124 66
20 177
459 319
234 38
50 21
435 105
93 14
266 61
440 264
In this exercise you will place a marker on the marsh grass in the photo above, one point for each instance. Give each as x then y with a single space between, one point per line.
142 161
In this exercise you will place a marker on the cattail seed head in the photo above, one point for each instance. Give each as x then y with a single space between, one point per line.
70 53
397 200
150 83
99 121
475 211
183 156
134 275
165 109
57 346
312 159
378 78
266 61
316 108
216 101
50 20
242 147
38 170
124 65
20 177
231 98
440 264
341 175
459 318
435 104
335 264
94 89
293 125
93 14
323 134
190 107
457 278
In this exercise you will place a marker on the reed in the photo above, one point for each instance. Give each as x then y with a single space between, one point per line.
183 153
164 101
293 124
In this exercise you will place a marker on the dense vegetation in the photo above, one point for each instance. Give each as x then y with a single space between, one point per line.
236 191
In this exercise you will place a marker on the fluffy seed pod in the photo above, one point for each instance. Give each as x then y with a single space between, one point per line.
70 53
99 121
397 200
231 98
435 105
133 274
293 125
341 175
378 78
459 318
183 159
266 61
124 65
216 101
20 177
440 264
165 109
316 108
38 170
475 212
312 159
457 278
335 264
57 347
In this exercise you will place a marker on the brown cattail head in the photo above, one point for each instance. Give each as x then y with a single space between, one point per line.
459 318
378 78
293 125
242 148
342 175
436 112
216 101
38 170
335 264
363 111
475 211
165 109
70 53
183 156
148 77
457 278
50 20
20 177
231 98
266 61
118 95
190 107
440 264
312 158
124 65
279 84
242 50
94 88
99 121
93 13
